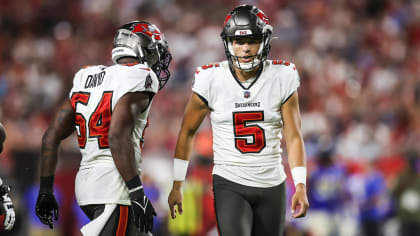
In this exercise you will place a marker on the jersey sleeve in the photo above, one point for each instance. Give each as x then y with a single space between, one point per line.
201 84
135 79
291 83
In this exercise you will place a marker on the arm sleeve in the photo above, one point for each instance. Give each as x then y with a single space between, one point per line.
292 83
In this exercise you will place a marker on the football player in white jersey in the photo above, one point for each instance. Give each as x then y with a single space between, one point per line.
7 211
251 100
108 107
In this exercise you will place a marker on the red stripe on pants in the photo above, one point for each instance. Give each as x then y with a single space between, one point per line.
122 222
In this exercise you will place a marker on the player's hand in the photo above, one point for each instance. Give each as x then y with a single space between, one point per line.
46 208
175 198
142 211
6 207
300 202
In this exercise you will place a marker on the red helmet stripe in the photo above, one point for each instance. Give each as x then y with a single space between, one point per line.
263 17
226 19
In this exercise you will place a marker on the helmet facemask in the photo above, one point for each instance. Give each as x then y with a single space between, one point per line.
161 67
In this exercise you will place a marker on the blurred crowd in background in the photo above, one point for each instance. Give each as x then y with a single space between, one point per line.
359 64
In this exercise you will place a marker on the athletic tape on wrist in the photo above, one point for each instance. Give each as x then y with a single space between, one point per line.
299 175
180 169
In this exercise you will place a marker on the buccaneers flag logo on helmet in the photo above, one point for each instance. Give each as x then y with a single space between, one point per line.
146 29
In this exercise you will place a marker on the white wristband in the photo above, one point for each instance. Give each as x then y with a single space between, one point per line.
180 169
299 175
1 182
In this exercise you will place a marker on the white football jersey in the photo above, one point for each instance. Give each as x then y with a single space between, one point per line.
246 120
96 90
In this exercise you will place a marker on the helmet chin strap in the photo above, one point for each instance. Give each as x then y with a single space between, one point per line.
249 66
246 66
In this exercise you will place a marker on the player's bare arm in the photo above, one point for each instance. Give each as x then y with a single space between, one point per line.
295 150
121 144
59 129
62 126
121 129
194 114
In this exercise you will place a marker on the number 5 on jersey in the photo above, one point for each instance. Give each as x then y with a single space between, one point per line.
99 120
242 129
